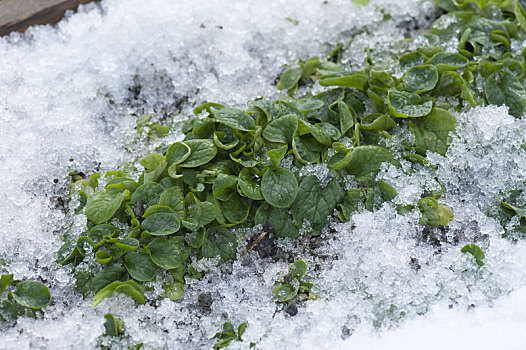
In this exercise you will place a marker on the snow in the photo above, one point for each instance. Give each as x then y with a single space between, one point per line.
379 283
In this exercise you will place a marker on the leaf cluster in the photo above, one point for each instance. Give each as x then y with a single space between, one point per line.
292 284
237 168
228 334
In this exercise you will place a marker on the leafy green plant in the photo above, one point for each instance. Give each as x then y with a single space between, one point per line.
292 284
433 214
228 334
23 298
238 168
30 294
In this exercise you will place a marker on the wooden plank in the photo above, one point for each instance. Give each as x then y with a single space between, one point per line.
18 15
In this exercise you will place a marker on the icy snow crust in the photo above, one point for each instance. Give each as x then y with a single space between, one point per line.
379 284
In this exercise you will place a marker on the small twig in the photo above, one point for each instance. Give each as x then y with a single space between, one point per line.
256 242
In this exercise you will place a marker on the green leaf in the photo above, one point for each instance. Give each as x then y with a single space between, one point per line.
235 118
519 10
202 152
221 142
279 187
518 210
151 161
241 330
347 117
289 79
365 161
196 238
190 224
445 61
298 269
103 257
306 149
429 51
174 290
106 276
276 156
203 212
281 129
407 105
127 244
249 184
307 104
281 221
4 282
219 242
474 250
206 106
357 81
420 79
177 153
148 193
377 122
432 131
160 224
202 129
32 294
434 214
155 164
450 84
315 203
113 326
102 206
284 292
120 184
412 59
157 209
129 288
236 209
316 131
140 266
503 88
168 253
224 187
98 233
173 197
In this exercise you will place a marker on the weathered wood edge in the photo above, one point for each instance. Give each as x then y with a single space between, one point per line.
48 15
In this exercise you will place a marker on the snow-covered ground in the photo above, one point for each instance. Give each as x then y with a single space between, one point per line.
379 286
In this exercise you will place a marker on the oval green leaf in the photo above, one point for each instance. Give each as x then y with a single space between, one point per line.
235 118
140 267
161 224
420 79
279 187
32 294
203 151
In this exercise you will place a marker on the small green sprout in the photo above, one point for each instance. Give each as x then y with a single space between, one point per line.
292 285
228 334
